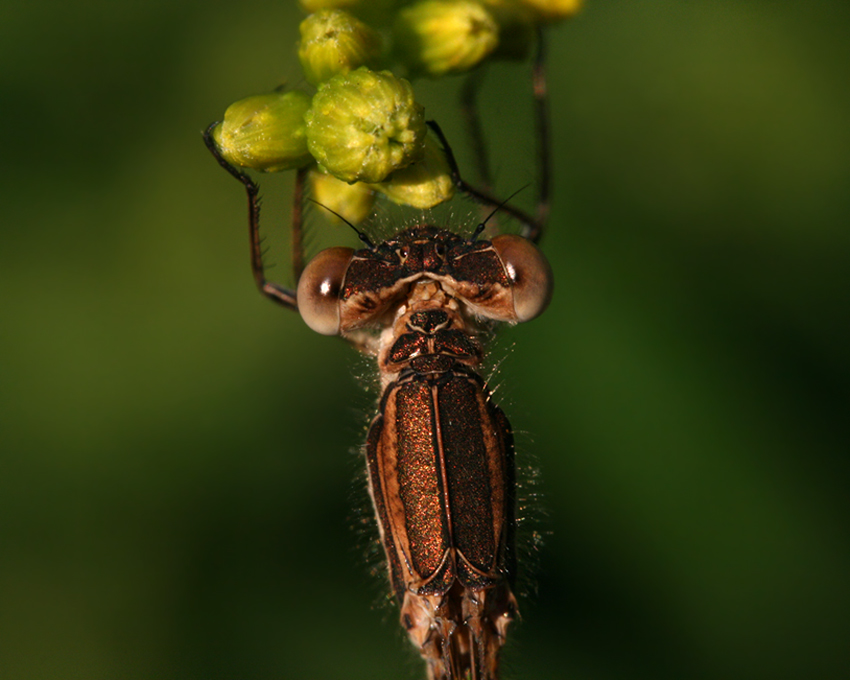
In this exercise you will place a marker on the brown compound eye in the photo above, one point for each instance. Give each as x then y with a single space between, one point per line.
529 273
318 289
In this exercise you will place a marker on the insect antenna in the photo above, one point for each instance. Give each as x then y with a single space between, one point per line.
361 235
482 225
529 224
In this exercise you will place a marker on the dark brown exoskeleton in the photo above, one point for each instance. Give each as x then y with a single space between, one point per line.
440 453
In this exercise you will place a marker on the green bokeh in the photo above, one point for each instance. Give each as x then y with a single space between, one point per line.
176 494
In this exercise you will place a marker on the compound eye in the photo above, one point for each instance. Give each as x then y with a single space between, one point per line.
318 289
529 272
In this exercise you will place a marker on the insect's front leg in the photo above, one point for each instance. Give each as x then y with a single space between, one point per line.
280 294
532 225
474 131
476 194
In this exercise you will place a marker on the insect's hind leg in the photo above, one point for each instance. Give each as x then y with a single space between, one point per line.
282 295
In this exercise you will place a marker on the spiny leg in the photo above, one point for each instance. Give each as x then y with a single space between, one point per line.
474 193
481 156
532 226
474 131
280 294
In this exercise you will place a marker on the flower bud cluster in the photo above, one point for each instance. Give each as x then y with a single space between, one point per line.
363 131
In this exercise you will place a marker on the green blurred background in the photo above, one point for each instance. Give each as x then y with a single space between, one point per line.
177 489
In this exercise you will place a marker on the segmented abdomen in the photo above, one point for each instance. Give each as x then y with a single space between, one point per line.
441 467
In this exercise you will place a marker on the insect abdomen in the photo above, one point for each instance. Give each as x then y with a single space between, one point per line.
440 458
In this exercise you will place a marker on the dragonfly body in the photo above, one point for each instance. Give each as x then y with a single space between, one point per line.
439 453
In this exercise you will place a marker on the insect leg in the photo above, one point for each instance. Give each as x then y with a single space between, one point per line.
469 108
478 195
532 226
280 294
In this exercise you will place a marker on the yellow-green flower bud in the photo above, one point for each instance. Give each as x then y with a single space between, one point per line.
444 37
266 132
332 42
553 10
364 125
423 184
353 201
376 12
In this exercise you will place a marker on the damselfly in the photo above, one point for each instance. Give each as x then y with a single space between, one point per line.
439 452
